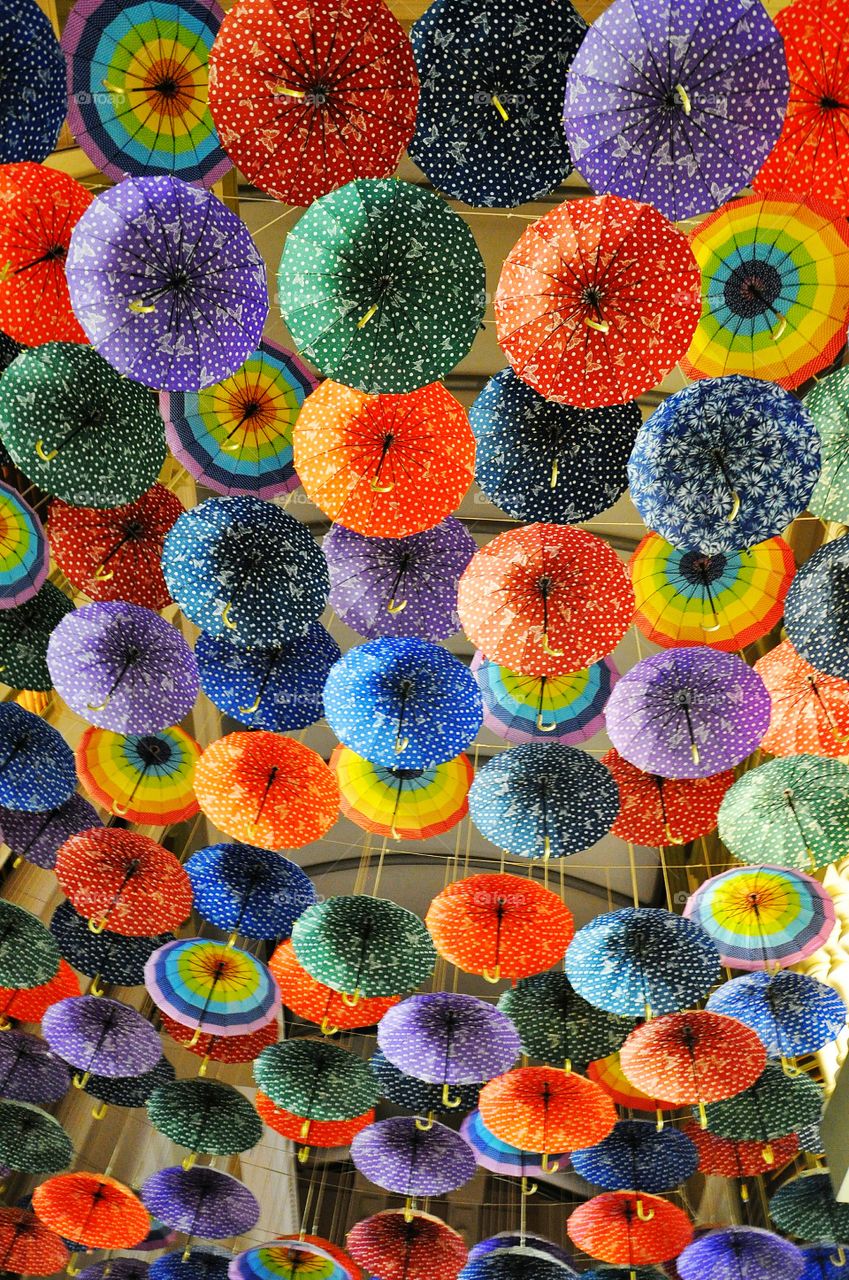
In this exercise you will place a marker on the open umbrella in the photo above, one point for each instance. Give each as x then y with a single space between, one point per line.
29 1003
31 1140
29 955
124 881
202 1264
555 1024
105 957
501 1157
793 1013
777 1104
36 764
33 72
205 1116
815 610
144 778
806 1207
30 1071
310 1133
201 1202
286 1259
247 890
546 1109
407 804
382 286
27 1246
727 1158
98 1035
508 1239
447 1038
567 709
740 1253
425 1248
658 811
218 1048
520 1261
824 1262
127 1091
91 1209
24 635
828 405
607 1073
399 1156
316 1079
24 555
38 836
118 1268
315 1002
417 1095
637 1156
211 987
621 1226
597 301
810 710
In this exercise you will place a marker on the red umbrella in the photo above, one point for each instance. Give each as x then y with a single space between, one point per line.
312 1133
725 1158
657 811
29 1004
809 709
315 1002
243 1048
27 1246
399 1246
630 1229
92 1209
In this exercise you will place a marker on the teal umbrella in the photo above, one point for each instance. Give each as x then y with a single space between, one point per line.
790 812
363 946
24 633
317 1080
31 1140
828 405
775 1105
557 1025
805 1207
29 954
205 1116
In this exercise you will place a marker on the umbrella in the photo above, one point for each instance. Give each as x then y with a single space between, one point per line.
235 437
102 1036
247 890
676 107
828 405
316 1079
792 811
24 554
143 778
30 1071
382 287
33 72
363 946
776 1104
793 1013
80 431
217 1048
540 801
24 634
499 926
448 1038
517 1262
641 961
567 709
211 987
245 568
623 1273
286 1259
543 461
407 804
806 1207
300 1129
727 1158
815 610
313 1001
637 1156
39 836
262 788
205 1116
417 1095
114 554
621 1226
740 1253
555 1024
201 1202
36 764
545 599
27 1247
688 713
545 1109
502 1158
810 710
694 482
91 1209
384 465
41 207
106 957
122 667
402 703
763 916
774 297
607 1073
399 586
280 689
118 1269
167 283
726 600
31 1140
128 1091
824 1262
399 1156
202 1264
124 881
659 811
29 955
508 1239
29 1004
151 61
425 1248
597 301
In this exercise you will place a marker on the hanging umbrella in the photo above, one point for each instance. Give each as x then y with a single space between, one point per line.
24 555
621 1226
499 926
623 1273
393 305
398 1156
555 1024
417 1095
115 554
425 1248
262 788
763 916
24 634
316 1079
810 710
828 405
95 1034
31 1140
815 610
106 957
211 987
773 1107
407 804
659 811
774 301
641 961
36 765
247 890
363 946
508 1239
118 1269
202 1264
502 1158
727 1158
91 1209
27 1247
566 709
545 599
678 108
740 1253
597 301
824 1262
806 1207
128 1091
201 1202
33 74
402 703
387 466
636 1156
124 881
317 1133
29 1004
517 1262
313 1001
793 811
793 1013
447 1038
205 1116
151 61
286 1260
607 1073
540 801
319 1245
688 713
217 1048
280 689
30 1071
144 778
544 1109
38 837
29 955
122 667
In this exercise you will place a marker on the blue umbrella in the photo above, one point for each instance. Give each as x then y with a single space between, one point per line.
816 609
247 890
500 1157
244 568
202 1264
278 689
642 960
723 464
116 1269
740 1253
540 460
417 1095
403 703
792 1013
517 1262
129 1091
30 1071
825 1262
107 957
492 77
32 72
539 801
505 1239
806 1207
38 836
636 1157
37 770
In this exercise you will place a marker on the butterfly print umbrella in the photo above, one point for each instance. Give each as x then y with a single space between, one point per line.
33 74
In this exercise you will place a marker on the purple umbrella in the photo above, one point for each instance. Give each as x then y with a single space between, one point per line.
399 1156
741 1253
117 1269
399 586
101 1036
688 713
39 836
30 1071
123 667
446 1038
201 1202
167 283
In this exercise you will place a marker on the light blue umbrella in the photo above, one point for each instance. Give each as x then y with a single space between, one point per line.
636 1157
792 1013
249 891
37 770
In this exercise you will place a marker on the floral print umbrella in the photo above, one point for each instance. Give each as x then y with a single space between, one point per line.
828 405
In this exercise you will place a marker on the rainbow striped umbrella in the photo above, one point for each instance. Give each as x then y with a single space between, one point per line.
143 778
567 709
499 1157
23 550
407 804
286 1260
211 987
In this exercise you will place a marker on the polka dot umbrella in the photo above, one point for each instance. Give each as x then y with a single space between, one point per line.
91 1209
27 1246
322 1134
503 1158
102 1036
144 778
806 1207
36 764
740 1253
105 957
810 710
508 1239
398 1156
202 1264
29 1003
38 836
636 1156
248 891
206 1116
217 1048
29 955
425 1248
124 881
31 1140
658 811
216 989
30 1071
775 1105
621 1226
815 610
516 1262
24 635
607 1073
33 72
316 1079
727 1158
24 555
118 1268
407 804
566 709
792 1013
127 1091
412 1094
827 403
201 1202
545 1109
555 1024
315 1002
448 1038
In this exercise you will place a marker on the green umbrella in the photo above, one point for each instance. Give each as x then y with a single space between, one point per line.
363 946
805 1207
791 812
775 1105
556 1025
828 405
31 1140
206 1116
317 1080
78 428
24 633
382 286
29 954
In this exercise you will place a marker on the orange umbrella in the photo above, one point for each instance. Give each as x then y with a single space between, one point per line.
313 1001
243 1048
27 1246
629 1229
500 926
266 789
725 1158
810 710
29 1004
92 1209
388 465
607 1073
657 811
312 1133
546 1109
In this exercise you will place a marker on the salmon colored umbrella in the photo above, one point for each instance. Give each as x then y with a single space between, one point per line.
546 1109
629 1229
810 710
243 1048
545 599
27 1246
315 1002
657 811
30 1004
123 881
399 1246
500 926
407 804
387 465
725 1158
92 1209
140 777
266 789
312 1133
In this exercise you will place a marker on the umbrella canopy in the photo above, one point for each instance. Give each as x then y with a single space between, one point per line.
508 1239
109 957
540 801
201 1202
31 1140
95 1034
774 301
144 778
130 1091
597 301
285 1259
24 635
27 1246
823 1262
211 987
24 555
28 1004
567 709
810 710
30 1071
29 955
607 1073
218 1048
202 1264
36 764
775 1105
316 1079
621 1226
403 703
793 1013
118 1268
33 72
740 1253
545 1109
555 1024
694 1057
302 1130
636 1156
315 1002
363 946
828 405
658 811
545 599
407 804
205 1116
806 1207
417 1095
448 1038
247 890
815 610
500 1157
399 1156
91 1209
396 287
424 1248
517 1262
726 1158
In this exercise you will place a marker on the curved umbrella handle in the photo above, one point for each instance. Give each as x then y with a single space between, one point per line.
45 454
353 998
839 1259
99 1112
204 1063
327 1028
189 1161
767 1154
80 1081
196 1035
546 1164
102 574
96 987
97 926
448 1101
543 725
492 975
225 616
685 99
602 326
255 705
396 606
644 1214
425 1125
735 507
401 744
100 706
555 472
529 1188
546 647
303 1154
120 810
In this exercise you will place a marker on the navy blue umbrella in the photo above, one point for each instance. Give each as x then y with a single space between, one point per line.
792 1013
107 957
517 1262
740 1253
816 609
129 1091
506 1239
636 1157
417 1095
202 1264
247 890
38 836
37 770
825 1262
32 71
